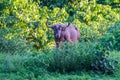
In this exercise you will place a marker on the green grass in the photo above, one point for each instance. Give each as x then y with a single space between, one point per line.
57 76
12 68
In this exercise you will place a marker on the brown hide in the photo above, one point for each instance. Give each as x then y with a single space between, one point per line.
65 32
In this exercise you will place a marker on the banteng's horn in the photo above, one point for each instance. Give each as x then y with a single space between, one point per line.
48 25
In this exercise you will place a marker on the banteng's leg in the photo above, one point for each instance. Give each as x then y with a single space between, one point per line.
58 44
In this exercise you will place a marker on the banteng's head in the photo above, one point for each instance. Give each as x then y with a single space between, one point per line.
57 30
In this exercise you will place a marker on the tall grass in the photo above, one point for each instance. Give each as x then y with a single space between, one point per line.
71 60
71 57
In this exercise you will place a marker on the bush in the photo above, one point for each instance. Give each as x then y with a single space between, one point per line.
12 45
103 62
111 39
11 63
36 64
82 56
115 56
23 64
54 3
113 3
71 57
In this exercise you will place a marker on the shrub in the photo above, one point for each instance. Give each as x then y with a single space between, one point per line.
115 56
112 37
37 64
54 3
82 56
12 45
22 64
102 62
71 57
11 63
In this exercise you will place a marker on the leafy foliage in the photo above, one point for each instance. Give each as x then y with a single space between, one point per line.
23 26
113 3
83 56
28 18
12 45
24 63
112 37
54 3
71 57
102 62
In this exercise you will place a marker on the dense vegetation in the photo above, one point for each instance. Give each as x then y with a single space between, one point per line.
27 48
